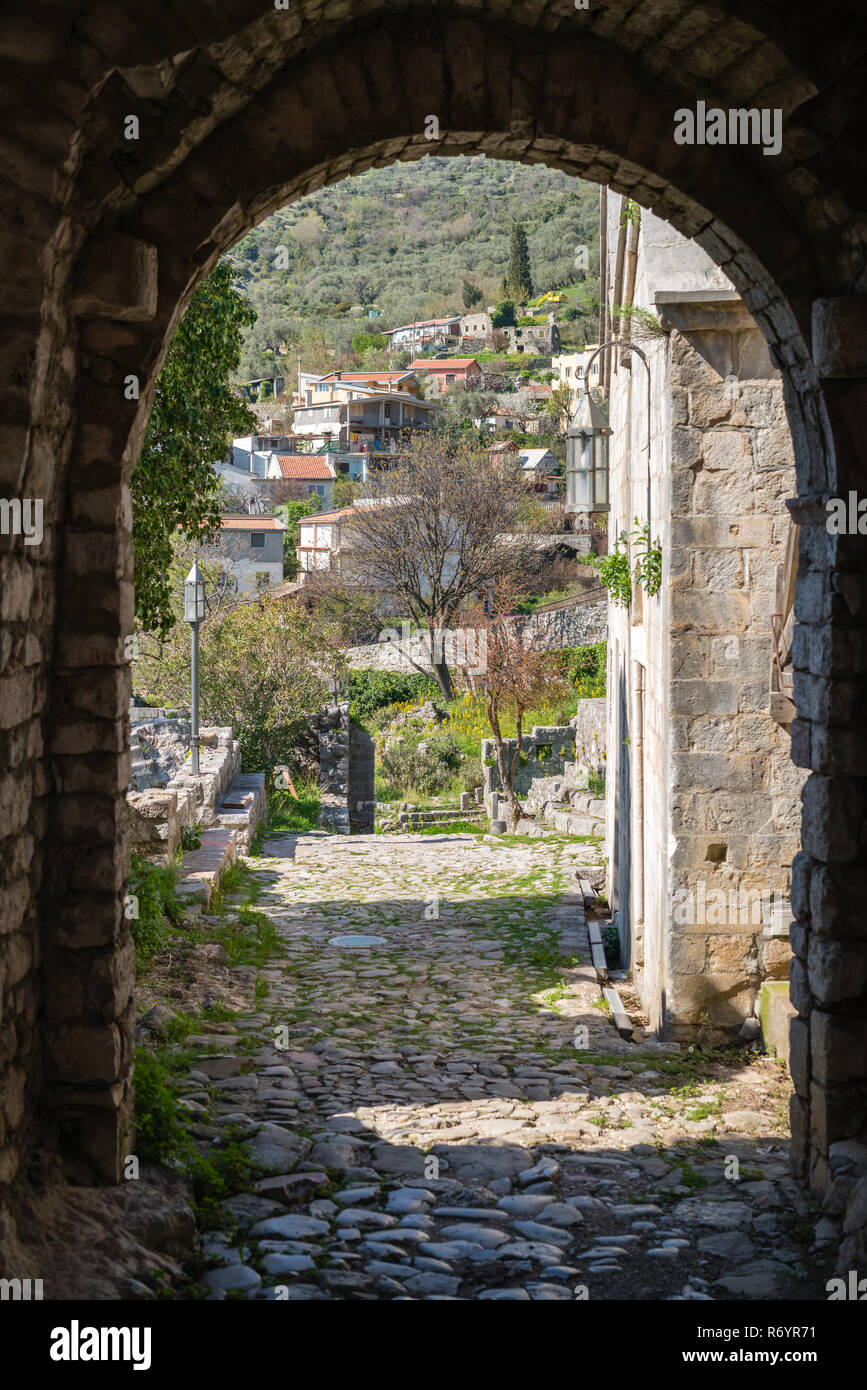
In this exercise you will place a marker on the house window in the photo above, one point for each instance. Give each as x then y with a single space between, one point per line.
257 540
568 371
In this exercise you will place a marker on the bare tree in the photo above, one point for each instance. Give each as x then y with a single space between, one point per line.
510 679
436 530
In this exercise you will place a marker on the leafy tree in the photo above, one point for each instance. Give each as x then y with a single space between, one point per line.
519 277
264 671
290 513
345 491
504 314
194 415
472 295
365 342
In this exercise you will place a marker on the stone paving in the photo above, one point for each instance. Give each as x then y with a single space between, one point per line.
448 1114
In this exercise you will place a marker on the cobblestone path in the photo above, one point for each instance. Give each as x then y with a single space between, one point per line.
433 1129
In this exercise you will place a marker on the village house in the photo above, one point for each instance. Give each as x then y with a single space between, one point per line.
703 800
424 333
534 340
501 419
354 417
477 324
311 384
539 463
538 340
571 369
251 550
314 475
443 373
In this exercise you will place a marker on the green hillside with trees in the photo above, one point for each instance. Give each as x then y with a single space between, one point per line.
416 240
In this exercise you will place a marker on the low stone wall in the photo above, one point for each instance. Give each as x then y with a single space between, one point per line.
589 728
172 801
576 749
576 625
547 750
579 625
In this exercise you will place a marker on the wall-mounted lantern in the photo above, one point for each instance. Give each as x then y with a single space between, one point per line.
587 459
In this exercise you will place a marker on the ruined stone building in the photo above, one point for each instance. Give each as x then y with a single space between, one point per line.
703 798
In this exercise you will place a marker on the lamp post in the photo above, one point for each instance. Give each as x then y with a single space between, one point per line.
194 612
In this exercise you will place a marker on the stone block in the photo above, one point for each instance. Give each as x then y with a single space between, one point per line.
836 971
726 451
838 1048
83 1053
776 1014
799 991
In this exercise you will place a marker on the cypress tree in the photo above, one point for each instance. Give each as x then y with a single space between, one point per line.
519 278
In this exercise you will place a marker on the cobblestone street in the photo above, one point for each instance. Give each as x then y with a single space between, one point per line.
438 1126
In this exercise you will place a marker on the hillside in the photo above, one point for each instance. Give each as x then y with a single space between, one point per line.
404 239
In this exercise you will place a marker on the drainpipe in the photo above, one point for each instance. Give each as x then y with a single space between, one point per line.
637 878
603 275
617 292
631 265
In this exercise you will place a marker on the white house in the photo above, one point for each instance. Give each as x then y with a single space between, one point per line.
539 462
571 369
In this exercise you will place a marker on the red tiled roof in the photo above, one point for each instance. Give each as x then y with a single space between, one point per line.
325 516
365 376
443 364
250 523
304 467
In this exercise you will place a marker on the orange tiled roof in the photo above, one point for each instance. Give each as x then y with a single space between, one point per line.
250 523
303 466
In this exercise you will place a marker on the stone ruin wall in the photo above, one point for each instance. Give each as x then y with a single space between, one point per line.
346 773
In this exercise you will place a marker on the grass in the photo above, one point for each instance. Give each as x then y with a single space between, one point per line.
237 876
534 601
288 814
152 906
455 827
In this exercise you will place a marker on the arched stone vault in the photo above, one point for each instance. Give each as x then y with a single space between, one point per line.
243 108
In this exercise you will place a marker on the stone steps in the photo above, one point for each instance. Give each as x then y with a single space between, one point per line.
238 813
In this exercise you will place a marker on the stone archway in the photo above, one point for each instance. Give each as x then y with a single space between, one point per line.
240 109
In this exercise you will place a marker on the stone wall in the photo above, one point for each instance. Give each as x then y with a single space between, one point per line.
554 786
168 796
708 797
589 727
546 749
573 625
346 773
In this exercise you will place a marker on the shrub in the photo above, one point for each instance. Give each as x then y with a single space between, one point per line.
370 691
596 782
470 774
161 1137
158 907
583 668
611 944
428 765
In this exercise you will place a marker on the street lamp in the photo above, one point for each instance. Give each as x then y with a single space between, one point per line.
194 613
587 459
